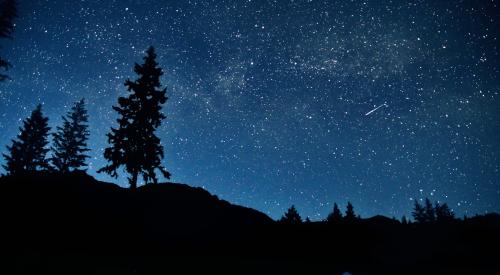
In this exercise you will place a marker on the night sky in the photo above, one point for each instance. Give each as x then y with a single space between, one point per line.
269 101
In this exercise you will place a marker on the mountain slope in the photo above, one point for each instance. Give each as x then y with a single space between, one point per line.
46 205
73 224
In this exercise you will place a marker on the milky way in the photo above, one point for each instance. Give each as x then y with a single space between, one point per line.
267 99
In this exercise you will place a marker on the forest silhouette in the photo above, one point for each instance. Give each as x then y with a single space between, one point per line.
56 219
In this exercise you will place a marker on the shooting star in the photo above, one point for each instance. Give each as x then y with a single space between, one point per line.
376 109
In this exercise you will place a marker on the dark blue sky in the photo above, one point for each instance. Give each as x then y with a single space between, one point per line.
270 100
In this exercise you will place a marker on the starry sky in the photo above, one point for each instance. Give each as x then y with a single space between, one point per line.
269 101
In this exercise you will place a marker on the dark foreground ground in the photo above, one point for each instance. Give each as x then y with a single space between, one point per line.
73 224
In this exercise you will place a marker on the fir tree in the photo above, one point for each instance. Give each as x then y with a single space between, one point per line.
430 214
335 216
404 220
70 140
27 152
419 213
349 213
8 12
134 144
443 213
291 216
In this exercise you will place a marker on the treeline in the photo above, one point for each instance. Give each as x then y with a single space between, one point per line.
28 152
292 216
423 214
133 144
430 213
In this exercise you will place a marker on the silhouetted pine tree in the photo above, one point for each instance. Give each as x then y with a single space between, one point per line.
291 216
443 213
70 140
404 220
419 213
27 153
134 144
430 215
349 213
8 12
335 216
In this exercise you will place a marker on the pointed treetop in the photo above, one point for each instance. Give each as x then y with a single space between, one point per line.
349 213
291 216
336 215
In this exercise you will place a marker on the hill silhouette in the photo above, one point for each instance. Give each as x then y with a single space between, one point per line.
73 224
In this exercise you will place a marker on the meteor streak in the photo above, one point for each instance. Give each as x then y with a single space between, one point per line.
375 109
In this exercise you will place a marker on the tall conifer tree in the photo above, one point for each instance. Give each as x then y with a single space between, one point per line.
335 216
349 213
134 143
430 214
418 213
70 140
27 152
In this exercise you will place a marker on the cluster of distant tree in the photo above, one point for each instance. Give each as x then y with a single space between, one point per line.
133 144
426 213
28 151
292 216
430 213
